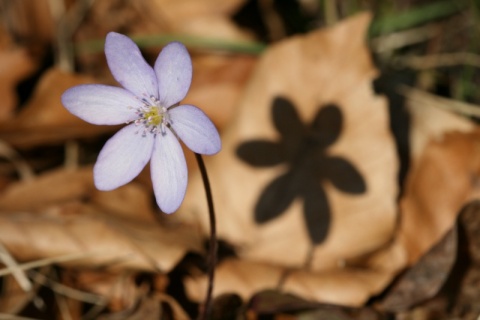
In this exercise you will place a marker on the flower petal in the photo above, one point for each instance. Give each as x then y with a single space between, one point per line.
122 158
169 172
129 67
195 129
100 104
174 73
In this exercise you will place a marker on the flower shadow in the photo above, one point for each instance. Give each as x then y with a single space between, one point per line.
304 149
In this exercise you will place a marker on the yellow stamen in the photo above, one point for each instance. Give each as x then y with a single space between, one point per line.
153 116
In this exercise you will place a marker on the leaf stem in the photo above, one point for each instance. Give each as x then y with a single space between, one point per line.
212 254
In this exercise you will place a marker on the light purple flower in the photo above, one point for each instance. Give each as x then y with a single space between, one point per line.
148 103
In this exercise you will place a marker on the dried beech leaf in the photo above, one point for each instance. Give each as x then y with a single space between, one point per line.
218 84
339 313
242 277
39 219
14 298
177 14
106 240
443 173
430 121
44 119
470 220
442 181
45 190
302 169
118 288
424 279
466 298
177 311
227 306
213 26
274 302
145 308
271 302
246 278
32 22
15 65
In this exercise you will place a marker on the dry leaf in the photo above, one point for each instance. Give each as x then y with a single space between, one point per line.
56 187
178 15
339 313
425 279
445 177
31 21
430 121
218 83
227 306
274 303
118 289
39 219
15 65
14 298
347 286
146 308
105 240
254 177
44 120
236 276
208 19
466 298
441 178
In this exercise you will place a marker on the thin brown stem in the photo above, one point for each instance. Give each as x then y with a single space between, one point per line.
212 254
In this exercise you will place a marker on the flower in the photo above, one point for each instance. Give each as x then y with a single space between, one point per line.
305 149
149 104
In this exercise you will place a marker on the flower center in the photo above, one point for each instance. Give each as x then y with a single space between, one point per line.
153 118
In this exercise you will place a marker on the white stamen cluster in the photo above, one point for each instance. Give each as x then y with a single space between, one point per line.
153 117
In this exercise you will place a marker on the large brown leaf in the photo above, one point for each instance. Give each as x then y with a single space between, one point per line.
347 286
44 120
443 172
338 202
61 213
15 65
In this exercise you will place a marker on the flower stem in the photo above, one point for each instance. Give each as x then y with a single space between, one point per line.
212 254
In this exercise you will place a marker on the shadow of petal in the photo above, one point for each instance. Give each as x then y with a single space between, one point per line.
343 175
261 153
286 119
316 211
275 198
327 125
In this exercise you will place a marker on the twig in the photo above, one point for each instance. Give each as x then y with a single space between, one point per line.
5 316
423 97
441 60
12 265
212 255
272 19
66 27
22 167
72 151
397 40
331 14
48 261
65 290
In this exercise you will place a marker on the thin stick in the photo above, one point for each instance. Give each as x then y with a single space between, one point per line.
8 260
212 254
